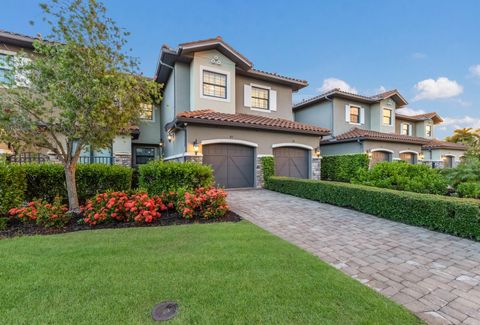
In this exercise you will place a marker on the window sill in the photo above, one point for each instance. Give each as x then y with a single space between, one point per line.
260 110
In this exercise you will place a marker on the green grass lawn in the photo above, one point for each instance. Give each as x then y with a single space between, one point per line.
220 273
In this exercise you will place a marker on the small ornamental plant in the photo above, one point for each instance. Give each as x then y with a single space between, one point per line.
208 203
121 207
43 213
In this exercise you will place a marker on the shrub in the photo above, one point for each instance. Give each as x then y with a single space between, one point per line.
47 181
3 223
467 171
342 168
404 177
268 167
12 187
469 190
120 207
158 177
43 213
451 215
207 203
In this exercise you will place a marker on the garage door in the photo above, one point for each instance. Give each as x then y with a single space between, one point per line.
291 162
233 164
379 156
408 157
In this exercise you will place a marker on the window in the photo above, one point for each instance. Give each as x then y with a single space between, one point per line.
428 131
4 68
387 116
354 114
260 98
146 112
406 129
144 154
214 84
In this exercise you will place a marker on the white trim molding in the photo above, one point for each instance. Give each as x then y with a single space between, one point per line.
264 155
228 86
382 149
183 155
409 151
232 141
298 145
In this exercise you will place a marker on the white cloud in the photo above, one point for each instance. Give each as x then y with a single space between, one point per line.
410 111
332 83
381 89
475 70
435 89
462 122
419 56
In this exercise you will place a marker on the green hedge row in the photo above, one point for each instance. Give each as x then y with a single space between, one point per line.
27 182
158 177
268 167
460 217
344 167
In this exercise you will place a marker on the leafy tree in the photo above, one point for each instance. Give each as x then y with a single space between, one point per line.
469 137
79 88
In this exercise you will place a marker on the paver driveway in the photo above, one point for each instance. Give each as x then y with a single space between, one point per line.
436 276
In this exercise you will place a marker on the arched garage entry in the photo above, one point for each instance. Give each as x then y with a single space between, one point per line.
379 155
410 157
292 160
233 162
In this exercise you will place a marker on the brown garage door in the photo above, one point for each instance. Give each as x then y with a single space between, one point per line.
408 157
379 156
291 162
233 164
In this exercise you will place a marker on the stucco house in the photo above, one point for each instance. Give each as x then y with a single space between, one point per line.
218 109
375 125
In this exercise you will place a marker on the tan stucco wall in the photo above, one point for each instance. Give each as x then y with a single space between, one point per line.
398 126
339 119
264 139
395 147
284 98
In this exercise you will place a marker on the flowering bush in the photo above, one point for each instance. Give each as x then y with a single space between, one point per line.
43 213
118 206
204 202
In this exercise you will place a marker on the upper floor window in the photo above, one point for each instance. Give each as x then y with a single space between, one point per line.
355 114
260 98
428 130
406 129
214 84
146 112
5 68
387 116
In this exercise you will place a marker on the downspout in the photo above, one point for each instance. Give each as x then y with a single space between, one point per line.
174 102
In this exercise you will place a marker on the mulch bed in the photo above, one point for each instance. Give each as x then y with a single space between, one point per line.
20 229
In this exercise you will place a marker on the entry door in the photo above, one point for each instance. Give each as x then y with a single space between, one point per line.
291 162
233 164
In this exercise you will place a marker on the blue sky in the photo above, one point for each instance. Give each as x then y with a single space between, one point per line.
429 50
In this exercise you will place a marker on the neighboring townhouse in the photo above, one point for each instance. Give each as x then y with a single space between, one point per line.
375 125
219 110
143 139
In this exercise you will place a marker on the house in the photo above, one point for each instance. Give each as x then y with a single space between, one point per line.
145 135
375 125
218 109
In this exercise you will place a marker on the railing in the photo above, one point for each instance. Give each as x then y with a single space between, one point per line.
96 160
28 157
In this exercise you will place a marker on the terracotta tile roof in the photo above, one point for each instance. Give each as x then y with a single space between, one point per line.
421 117
357 133
365 99
439 144
249 121
274 74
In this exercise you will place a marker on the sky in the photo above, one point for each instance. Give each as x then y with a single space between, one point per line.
429 50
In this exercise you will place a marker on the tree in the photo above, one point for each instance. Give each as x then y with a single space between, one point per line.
80 87
469 137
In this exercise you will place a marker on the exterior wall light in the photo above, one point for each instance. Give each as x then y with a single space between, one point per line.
195 147
317 152
369 154
170 137
421 156
161 144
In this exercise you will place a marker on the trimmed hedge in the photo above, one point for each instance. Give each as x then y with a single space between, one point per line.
158 177
268 167
12 187
343 168
456 216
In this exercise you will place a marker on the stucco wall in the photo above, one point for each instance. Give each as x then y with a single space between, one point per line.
398 127
150 130
320 114
284 98
264 139
342 149
339 118
182 87
395 147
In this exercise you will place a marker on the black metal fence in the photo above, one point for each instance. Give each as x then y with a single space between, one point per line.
96 160
33 157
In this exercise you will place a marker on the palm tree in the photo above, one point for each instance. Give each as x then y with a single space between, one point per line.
465 135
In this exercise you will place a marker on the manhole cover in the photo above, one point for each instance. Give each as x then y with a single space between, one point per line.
165 310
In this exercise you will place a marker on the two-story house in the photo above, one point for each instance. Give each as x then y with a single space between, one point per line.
375 125
219 110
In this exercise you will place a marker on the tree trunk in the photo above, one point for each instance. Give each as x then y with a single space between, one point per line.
73 204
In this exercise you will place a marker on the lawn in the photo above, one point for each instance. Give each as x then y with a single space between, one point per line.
219 273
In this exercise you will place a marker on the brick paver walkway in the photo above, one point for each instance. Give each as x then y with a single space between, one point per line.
436 276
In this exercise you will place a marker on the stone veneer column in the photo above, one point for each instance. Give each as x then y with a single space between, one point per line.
122 158
197 158
316 171
259 171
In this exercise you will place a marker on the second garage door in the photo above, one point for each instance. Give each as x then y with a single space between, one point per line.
233 164
291 162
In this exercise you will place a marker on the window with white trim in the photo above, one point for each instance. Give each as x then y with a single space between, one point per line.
214 84
387 116
354 114
406 129
260 98
146 112
5 67
428 130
